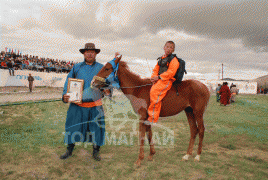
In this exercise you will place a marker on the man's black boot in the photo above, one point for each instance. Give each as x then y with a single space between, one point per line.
69 152
96 150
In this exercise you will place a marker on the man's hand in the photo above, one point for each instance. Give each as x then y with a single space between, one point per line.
66 98
116 54
154 79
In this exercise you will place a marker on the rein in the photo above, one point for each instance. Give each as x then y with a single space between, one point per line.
126 87
136 86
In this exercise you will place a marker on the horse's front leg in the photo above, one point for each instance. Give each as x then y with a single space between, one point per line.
150 135
142 129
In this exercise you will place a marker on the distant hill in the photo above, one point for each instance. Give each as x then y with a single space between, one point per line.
230 79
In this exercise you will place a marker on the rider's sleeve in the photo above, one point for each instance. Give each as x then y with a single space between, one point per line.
155 70
172 69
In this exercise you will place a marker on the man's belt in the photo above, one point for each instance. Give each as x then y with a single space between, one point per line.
90 104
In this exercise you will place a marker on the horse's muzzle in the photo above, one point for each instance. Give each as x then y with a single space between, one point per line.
98 82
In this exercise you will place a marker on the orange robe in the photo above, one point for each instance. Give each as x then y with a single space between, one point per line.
161 87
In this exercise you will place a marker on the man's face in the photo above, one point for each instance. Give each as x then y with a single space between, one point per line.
169 49
90 56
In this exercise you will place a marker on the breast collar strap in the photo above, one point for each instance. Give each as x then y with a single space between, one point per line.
115 67
113 78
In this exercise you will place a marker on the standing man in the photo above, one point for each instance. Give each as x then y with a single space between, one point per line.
225 94
85 122
31 80
10 68
218 92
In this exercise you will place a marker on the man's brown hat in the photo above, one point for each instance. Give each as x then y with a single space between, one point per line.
89 46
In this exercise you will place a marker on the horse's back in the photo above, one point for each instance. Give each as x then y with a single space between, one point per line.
197 94
182 95
196 87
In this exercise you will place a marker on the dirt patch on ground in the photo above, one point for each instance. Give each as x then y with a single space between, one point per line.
19 94
17 89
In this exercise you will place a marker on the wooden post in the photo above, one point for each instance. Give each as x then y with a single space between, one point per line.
222 71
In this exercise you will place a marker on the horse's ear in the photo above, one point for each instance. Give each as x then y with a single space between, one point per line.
118 58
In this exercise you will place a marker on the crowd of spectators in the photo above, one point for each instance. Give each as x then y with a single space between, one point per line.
33 63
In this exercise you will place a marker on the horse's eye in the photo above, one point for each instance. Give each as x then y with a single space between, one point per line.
106 69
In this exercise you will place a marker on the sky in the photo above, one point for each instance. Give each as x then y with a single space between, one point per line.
207 33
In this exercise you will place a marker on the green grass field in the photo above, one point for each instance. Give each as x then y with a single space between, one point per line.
235 144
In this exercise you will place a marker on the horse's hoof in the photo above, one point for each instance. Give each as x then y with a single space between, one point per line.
197 158
150 158
137 163
186 157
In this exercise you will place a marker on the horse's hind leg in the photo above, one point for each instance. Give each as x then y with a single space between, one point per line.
150 135
193 131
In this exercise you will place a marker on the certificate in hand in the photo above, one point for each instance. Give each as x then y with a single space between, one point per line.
75 90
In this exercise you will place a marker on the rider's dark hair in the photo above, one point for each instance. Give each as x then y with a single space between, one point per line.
171 42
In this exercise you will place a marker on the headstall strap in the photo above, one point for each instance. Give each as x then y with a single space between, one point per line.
99 79
115 72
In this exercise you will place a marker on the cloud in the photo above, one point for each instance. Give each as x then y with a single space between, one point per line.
246 20
206 33
111 20
105 19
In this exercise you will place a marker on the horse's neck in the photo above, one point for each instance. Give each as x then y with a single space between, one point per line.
129 81
131 85
124 77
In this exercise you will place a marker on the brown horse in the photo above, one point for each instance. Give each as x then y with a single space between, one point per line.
193 97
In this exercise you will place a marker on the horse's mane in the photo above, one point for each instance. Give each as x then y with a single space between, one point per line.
135 77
